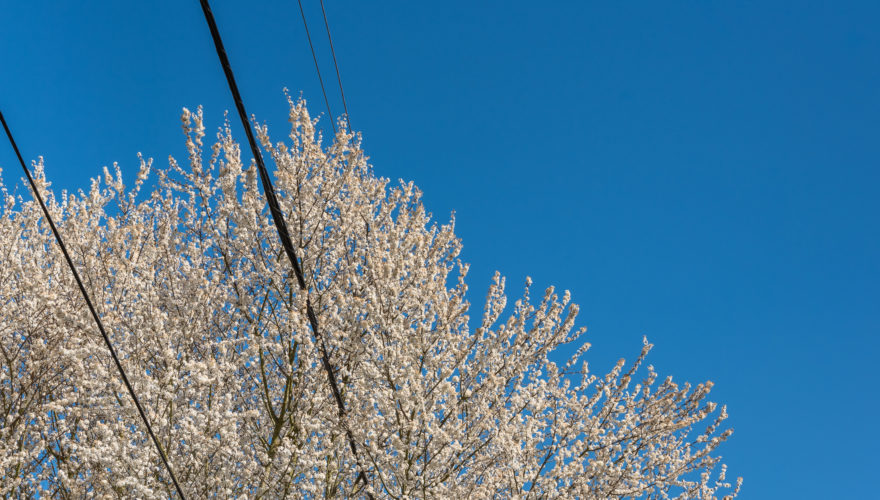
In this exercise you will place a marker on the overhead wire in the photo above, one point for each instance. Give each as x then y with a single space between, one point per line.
284 236
91 307
317 68
336 65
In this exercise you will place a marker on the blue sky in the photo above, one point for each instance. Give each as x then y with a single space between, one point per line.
703 173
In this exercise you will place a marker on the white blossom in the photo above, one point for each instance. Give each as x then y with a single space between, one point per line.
211 327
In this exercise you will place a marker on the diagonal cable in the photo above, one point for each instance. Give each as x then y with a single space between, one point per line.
336 65
315 58
97 318
284 236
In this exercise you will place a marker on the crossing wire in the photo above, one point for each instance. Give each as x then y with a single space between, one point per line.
284 236
97 318
336 65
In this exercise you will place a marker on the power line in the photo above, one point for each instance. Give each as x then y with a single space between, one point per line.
336 65
284 235
97 318
314 58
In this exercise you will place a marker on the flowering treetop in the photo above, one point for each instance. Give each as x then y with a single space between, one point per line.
212 328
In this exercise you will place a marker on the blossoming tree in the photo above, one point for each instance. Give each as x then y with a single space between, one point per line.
213 331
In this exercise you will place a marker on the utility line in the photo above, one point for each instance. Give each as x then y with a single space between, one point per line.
314 58
336 65
284 236
97 318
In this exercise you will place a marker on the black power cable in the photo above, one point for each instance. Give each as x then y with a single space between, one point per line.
315 58
336 65
97 318
284 236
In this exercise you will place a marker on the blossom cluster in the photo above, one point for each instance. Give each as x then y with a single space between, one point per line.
186 271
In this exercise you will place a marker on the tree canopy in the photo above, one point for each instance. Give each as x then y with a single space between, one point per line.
188 275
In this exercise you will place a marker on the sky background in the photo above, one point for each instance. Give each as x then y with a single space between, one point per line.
703 173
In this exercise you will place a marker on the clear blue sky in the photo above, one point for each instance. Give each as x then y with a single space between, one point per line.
703 173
